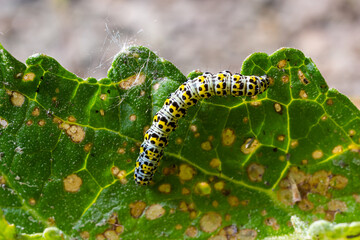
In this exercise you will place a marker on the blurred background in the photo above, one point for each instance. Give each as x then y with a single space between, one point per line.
212 35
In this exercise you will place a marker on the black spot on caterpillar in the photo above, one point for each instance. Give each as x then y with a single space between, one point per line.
175 107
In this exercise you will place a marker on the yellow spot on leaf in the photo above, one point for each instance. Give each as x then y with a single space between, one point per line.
245 120
278 108
156 86
247 234
132 117
103 97
76 133
285 78
29 77
352 132
17 99
317 154
297 175
329 102
41 122
183 206
304 162
294 143
329 216
111 235
337 206
170 170
250 145
102 112
228 232
215 163
2 180
72 183
185 191
71 119
88 147
319 182
154 211
255 172
32 201
57 120
145 129
281 138
35 112
113 219
202 188
51 221
302 78
115 171
178 141
356 197
255 103
186 172
354 147
121 151
193 214
305 205
263 213
100 237
142 93
206 146
85 235
137 208
193 128
210 222
3 123
272 223
338 182
281 63
233 201
191 231
324 117
219 186
337 150
303 94
228 137
178 227
119 229
215 204
122 177
165 188
285 196
57 90
132 81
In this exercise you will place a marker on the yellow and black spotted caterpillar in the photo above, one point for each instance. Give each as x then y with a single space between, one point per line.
175 107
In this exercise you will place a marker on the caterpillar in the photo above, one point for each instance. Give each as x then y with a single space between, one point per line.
175 107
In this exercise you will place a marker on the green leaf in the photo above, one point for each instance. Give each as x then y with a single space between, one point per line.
235 167
6 231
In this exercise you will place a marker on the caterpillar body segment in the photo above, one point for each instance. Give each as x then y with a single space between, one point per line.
175 107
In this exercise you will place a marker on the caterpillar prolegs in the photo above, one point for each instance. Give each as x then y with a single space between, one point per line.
175 107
